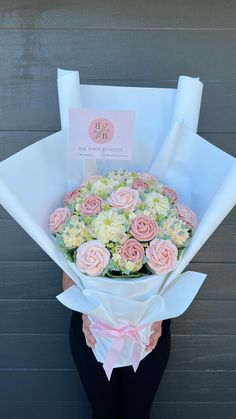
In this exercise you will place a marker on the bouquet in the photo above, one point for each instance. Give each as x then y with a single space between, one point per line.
166 144
123 225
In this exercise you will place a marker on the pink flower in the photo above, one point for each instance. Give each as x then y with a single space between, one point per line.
57 219
187 215
132 250
91 205
140 184
144 228
147 176
171 193
70 196
124 198
161 256
92 257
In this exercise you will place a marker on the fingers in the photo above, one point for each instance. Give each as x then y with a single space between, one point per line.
91 341
156 325
86 321
157 330
89 338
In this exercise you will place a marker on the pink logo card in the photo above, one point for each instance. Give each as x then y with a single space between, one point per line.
101 134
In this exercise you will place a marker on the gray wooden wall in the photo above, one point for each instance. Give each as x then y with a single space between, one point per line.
131 42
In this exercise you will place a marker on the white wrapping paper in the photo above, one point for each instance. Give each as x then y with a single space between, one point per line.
34 181
120 302
156 111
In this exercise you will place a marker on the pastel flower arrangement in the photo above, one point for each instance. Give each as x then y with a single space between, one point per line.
125 224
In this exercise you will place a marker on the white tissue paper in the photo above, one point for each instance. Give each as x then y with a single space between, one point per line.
167 145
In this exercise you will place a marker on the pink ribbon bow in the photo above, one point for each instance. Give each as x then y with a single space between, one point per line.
119 335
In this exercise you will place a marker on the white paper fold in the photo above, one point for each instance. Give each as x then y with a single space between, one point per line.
187 102
209 189
34 181
105 299
69 94
156 111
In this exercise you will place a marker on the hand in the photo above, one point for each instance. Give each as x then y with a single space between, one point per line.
157 330
67 281
90 339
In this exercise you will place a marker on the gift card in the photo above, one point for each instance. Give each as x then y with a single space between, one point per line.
101 134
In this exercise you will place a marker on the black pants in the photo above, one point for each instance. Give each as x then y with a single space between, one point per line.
128 394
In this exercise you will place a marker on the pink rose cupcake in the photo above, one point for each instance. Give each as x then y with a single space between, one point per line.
124 198
57 219
70 196
132 250
171 193
187 215
144 228
92 257
140 184
161 256
91 205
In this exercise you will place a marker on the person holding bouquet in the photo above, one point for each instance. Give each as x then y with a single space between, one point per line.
128 394
122 234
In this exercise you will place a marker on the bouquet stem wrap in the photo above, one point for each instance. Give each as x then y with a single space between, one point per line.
119 336
125 310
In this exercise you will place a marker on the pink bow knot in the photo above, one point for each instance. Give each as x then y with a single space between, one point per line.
118 339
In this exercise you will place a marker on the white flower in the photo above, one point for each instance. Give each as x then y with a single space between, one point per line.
74 234
116 257
175 230
159 187
104 186
119 175
74 219
109 226
130 265
158 203
150 212
132 215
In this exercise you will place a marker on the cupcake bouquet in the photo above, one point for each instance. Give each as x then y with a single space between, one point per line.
122 234
125 224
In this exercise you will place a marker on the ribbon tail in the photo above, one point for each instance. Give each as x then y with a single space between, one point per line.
112 356
136 356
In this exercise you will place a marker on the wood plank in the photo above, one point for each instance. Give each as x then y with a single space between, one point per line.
81 410
22 247
13 141
131 14
40 409
34 54
188 352
34 316
50 316
42 280
201 386
207 317
224 141
192 352
26 102
220 247
193 410
29 280
220 281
